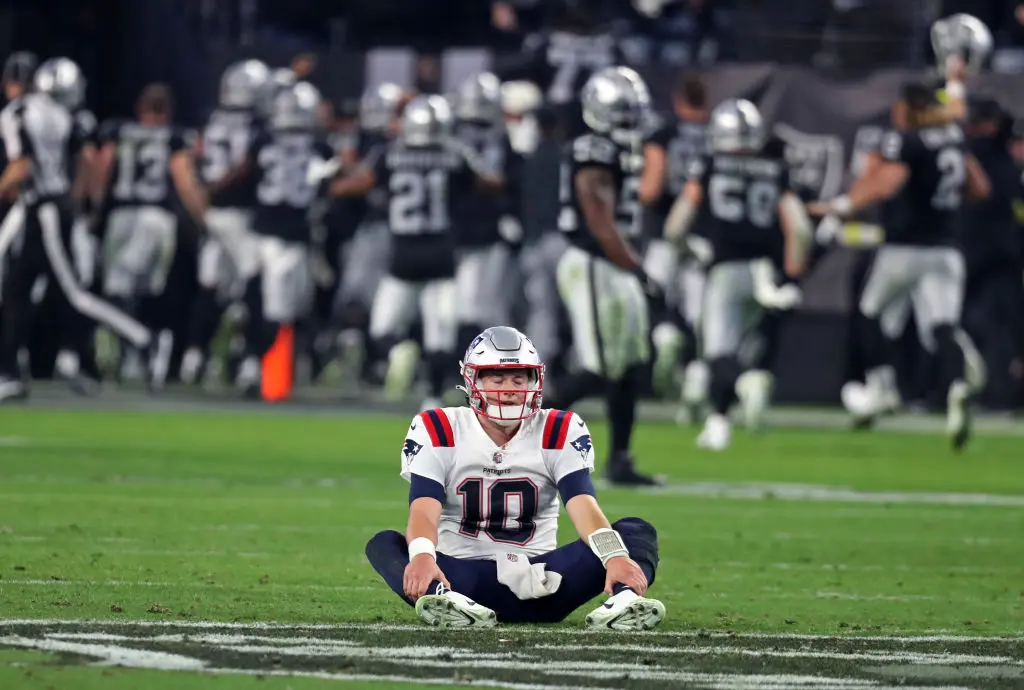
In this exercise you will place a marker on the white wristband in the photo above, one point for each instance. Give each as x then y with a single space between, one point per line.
956 89
841 205
421 545
607 544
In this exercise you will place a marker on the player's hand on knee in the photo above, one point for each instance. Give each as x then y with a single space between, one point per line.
421 571
625 571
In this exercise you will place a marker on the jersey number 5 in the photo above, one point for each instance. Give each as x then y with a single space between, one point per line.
500 525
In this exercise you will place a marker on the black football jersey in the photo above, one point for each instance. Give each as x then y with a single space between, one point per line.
475 216
141 175
625 165
226 140
741 196
284 193
926 211
423 185
684 143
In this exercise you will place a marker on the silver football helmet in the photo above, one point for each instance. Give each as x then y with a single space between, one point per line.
962 36
63 81
243 83
736 125
379 106
616 102
295 107
503 348
479 99
426 120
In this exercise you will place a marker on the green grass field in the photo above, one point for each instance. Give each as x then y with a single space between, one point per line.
229 548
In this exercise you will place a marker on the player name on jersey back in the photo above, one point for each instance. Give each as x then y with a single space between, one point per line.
422 184
142 174
742 194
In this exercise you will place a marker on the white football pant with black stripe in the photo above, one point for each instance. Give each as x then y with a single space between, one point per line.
608 310
138 251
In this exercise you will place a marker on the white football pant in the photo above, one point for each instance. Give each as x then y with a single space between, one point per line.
138 250
395 306
608 309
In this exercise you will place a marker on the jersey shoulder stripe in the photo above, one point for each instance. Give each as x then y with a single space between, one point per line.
439 428
556 428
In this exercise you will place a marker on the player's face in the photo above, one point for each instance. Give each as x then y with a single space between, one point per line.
505 386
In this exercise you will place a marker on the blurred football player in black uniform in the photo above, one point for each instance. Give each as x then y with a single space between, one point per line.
367 254
279 162
600 277
756 220
228 254
486 225
138 162
991 245
922 177
40 138
425 173
561 61
669 151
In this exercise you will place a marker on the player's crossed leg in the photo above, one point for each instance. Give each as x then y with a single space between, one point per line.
477 598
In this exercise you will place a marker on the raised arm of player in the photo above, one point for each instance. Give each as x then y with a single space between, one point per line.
595 189
364 178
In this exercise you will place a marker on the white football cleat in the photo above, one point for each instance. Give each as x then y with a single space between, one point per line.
754 390
402 362
958 414
668 343
717 433
627 611
453 610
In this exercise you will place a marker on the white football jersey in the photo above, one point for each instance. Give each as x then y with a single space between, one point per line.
498 499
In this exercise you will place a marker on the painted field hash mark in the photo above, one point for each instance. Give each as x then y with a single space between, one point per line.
536 658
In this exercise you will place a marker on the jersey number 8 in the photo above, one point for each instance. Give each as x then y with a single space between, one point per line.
734 200
500 496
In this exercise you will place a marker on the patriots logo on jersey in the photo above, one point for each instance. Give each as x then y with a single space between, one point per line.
411 449
583 445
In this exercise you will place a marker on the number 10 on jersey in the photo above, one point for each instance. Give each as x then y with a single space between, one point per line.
503 523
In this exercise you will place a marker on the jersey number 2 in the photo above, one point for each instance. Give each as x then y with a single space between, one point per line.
499 525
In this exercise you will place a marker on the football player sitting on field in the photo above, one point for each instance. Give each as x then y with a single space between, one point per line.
483 509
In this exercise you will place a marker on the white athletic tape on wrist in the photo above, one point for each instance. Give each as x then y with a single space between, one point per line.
956 89
841 205
607 544
421 545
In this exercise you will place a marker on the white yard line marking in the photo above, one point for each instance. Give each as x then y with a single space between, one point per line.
426 657
400 627
877 656
843 567
182 585
112 655
759 491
